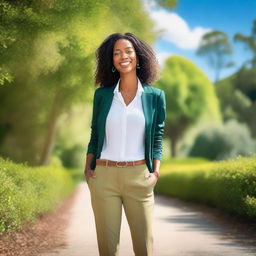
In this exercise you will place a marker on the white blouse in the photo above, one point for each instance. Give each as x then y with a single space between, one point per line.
125 128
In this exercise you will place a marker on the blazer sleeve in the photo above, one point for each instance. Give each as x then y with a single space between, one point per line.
159 126
92 145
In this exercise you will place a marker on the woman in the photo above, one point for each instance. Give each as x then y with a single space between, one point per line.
125 148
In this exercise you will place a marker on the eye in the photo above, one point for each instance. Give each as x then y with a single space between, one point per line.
128 52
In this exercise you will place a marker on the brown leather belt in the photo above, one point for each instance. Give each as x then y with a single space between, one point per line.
119 163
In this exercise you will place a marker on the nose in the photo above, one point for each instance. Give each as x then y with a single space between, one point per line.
124 55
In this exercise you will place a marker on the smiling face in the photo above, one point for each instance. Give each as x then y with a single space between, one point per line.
124 56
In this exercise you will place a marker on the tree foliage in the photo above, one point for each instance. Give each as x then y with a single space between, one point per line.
47 61
225 141
237 93
215 46
249 42
189 95
170 4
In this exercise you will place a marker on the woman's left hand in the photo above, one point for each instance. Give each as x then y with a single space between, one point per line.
156 174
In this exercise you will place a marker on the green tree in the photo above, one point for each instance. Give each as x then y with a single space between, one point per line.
215 46
170 4
189 97
237 92
49 62
250 43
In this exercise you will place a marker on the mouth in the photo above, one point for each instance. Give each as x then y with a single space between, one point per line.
125 64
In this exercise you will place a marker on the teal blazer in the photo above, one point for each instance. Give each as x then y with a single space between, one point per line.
154 108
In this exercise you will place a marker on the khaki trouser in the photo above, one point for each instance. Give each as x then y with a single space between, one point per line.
128 186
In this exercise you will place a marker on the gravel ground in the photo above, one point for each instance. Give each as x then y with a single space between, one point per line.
47 233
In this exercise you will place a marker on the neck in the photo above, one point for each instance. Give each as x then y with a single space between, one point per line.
128 82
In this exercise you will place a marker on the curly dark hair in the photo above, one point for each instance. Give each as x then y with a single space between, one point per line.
149 67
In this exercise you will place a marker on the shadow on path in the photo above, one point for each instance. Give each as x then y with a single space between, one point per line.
194 229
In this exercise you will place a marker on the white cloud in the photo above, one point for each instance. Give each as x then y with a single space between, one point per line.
162 56
175 28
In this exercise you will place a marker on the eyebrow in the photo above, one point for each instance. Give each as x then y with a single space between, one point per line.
125 48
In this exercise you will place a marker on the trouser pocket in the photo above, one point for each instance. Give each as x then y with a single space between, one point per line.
138 179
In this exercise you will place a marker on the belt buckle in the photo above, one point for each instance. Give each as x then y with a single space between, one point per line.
121 165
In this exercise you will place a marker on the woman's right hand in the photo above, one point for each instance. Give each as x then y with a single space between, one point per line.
89 174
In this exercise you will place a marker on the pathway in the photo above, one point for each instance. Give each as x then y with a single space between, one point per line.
181 229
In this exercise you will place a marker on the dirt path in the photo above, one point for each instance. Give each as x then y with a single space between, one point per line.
181 229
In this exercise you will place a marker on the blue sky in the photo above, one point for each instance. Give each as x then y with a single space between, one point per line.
186 24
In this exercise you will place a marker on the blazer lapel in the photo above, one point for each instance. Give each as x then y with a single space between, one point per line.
105 107
146 99
147 105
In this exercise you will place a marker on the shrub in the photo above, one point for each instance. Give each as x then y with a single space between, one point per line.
26 192
228 185
224 142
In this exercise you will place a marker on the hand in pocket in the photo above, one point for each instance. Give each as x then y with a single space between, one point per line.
151 176
89 174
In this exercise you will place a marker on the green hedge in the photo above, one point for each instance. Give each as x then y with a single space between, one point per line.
27 192
227 185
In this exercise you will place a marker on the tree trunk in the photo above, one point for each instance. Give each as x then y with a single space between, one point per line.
50 133
174 146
